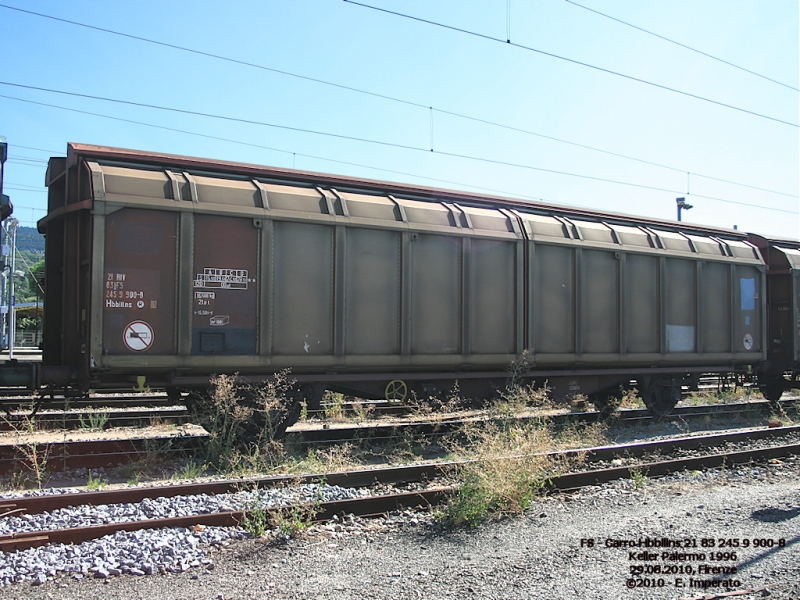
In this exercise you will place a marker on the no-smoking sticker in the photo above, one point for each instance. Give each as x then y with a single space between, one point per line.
138 336
748 341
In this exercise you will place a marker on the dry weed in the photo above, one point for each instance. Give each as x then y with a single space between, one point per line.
508 467
438 407
245 422
631 399
333 406
33 454
581 435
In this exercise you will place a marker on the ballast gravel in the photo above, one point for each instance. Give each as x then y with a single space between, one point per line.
544 553
176 506
141 552
136 553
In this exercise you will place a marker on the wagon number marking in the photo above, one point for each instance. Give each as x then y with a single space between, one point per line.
138 336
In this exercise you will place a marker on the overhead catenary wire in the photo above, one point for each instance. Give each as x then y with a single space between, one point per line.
28 266
263 147
572 61
367 140
29 162
38 149
212 55
390 98
23 187
405 147
686 46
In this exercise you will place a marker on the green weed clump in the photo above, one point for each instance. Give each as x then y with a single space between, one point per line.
94 484
508 468
190 470
256 521
638 478
95 420
631 399
286 522
293 521
333 405
245 422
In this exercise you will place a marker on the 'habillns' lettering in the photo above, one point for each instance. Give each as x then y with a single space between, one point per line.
115 304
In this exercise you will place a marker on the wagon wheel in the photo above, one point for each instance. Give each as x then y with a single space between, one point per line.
772 388
661 399
396 390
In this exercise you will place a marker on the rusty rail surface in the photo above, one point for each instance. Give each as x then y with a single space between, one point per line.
365 507
384 475
92 454
372 431
109 416
109 453
376 505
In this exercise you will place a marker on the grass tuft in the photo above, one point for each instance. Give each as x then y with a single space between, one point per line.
94 484
190 470
96 420
638 478
509 467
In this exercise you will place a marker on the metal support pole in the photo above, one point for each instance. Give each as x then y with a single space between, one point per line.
4 288
12 317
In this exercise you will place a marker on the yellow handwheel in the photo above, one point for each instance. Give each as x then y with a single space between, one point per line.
396 390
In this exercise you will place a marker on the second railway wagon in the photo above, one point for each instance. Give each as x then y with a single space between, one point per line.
163 270
782 368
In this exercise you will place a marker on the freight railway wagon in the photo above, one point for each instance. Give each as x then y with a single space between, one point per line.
163 270
782 368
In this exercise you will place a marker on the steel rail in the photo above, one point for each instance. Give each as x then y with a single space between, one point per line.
366 477
372 431
365 507
667 467
376 505
112 417
93 454
22 401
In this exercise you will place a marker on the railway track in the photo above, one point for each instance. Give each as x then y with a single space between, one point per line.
102 417
710 385
329 432
95 449
430 476
23 403
86 439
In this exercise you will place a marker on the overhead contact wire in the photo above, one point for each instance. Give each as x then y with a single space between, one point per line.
570 60
330 134
212 55
687 47
261 147
384 97
405 147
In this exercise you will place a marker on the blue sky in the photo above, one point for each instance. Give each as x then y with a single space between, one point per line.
427 66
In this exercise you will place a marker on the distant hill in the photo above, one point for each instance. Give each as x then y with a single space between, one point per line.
29 240
30 254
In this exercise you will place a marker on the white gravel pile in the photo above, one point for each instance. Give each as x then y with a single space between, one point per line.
137 553
142 552
176 506
41 492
